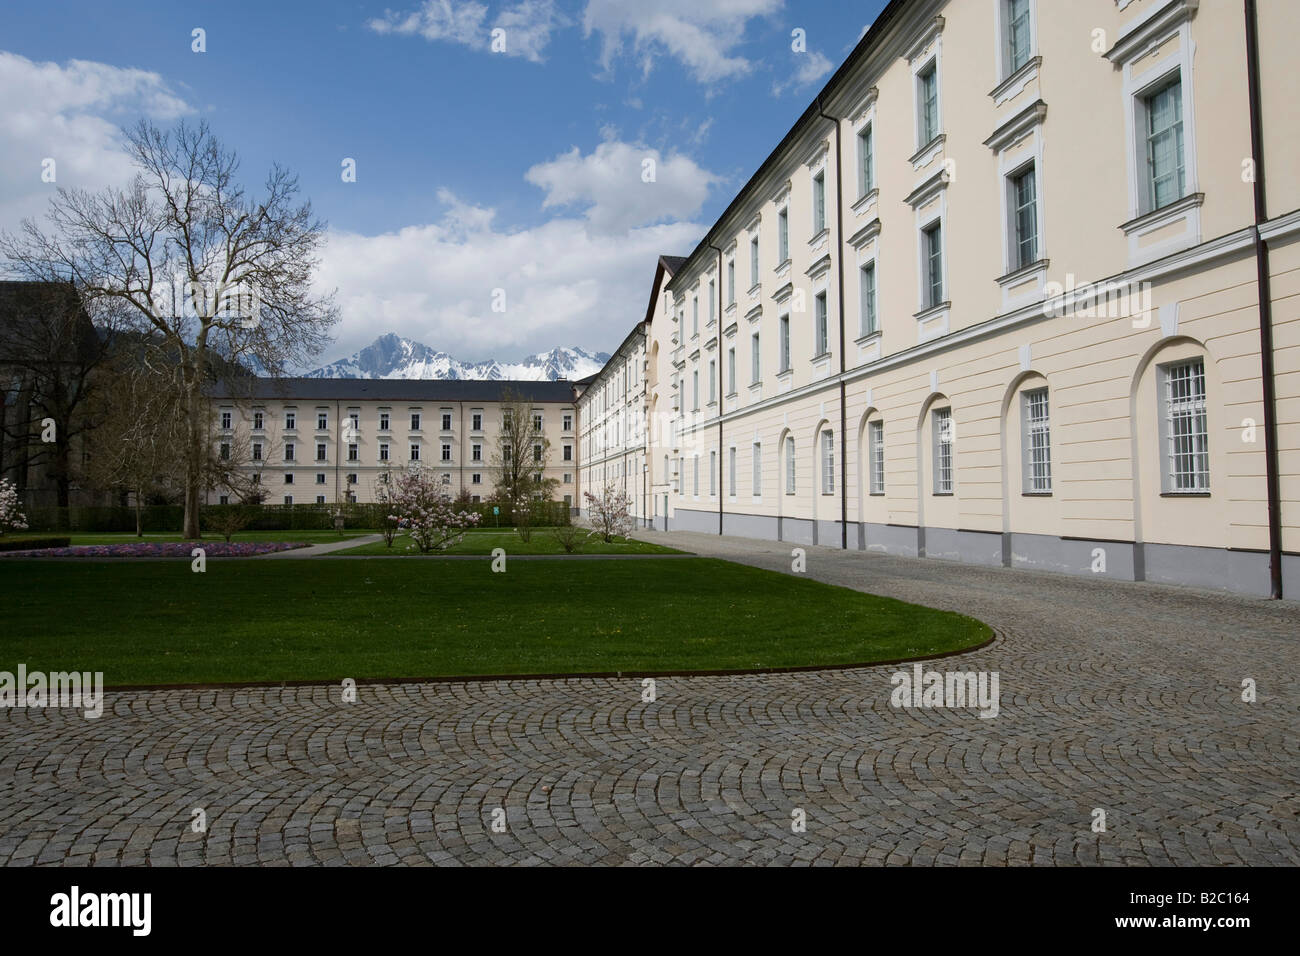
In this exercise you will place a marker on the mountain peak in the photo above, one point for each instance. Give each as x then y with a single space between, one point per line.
394 356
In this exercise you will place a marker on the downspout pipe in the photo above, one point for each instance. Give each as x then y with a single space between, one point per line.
839 279
1267 373
717 383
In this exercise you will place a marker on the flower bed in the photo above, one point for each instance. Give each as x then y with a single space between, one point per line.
161 549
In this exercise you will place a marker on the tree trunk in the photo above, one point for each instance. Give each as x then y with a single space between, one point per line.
194 456
139 526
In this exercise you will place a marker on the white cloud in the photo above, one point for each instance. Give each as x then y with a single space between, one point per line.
811 68
701 35
563 283
611 182
71 113
528 25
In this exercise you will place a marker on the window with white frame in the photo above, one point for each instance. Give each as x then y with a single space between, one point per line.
383 451
1022 194
819 202
753 261
354 452
731 370
867 287
942 427
695 390
783 235
695 315
288 451
322 421
225 421
1017 35
383 421
713 381
1036 442
1162 114
731 471
713 301
758 470
537 421
476 452
320 477
756 367
446 451
1186 438
876 458
446 421
290 421
320 451
828 462
415 453
927 102
713 473
288 477
866 161
258 421
789 465
257 451
225 451
731 281
821 340
415 421
783 341
932 245
695 476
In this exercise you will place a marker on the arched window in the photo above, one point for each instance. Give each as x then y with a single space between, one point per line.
789 465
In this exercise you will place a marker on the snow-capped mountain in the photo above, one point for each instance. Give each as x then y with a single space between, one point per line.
391 356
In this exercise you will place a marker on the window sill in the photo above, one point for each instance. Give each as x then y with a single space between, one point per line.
941 494
863 202
924 155
868 338
1184 494
1016 81
931 311
1024 273
1166 214
1035 494
876 494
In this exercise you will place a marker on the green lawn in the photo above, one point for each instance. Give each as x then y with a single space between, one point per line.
312 537
257 620
484 541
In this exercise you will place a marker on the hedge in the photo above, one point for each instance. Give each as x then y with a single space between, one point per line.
33 542
166 519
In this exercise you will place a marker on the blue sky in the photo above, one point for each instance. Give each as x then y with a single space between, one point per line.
476 169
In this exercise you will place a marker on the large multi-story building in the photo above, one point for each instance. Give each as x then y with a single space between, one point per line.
323 441
1020 287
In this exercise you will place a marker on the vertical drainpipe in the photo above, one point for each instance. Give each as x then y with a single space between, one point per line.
718 384
839 279
1271 469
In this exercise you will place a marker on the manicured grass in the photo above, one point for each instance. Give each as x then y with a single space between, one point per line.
311 537
266 621
484 541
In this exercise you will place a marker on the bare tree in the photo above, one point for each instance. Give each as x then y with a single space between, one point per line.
138 445
189 256
520 457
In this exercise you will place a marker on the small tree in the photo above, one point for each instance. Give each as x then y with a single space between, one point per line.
387 500
228 519
425 511
11 516
611 513
568 536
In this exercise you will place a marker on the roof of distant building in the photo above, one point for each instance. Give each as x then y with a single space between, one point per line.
395 390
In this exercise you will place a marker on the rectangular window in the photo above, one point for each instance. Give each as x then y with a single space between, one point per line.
476 421
476 452
866 162
568 422
695 390
1024 218
446 452
537 422
288 451
867 282
713 384
821 341
352 478
288 499
1036 441
758 469
257 451
928 103
756 367
320 499
828 462
783 328
695 476
320 477
383 421
476 479
290 421
731 472
783 236
537 453
354 452
731 282
713 302
223 500
322 421
713 473
225 451
731 370
695 315
225 421
934 265
415 421
258 421
819 203
320 451
568 453
288 477
753 261
876 457
446 422
942 425
383 451
1016 13
1164 145
1187 440
355 419
415 453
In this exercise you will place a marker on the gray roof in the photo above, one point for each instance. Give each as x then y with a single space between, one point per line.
393 389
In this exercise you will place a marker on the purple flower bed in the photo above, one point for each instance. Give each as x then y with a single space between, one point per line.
164 549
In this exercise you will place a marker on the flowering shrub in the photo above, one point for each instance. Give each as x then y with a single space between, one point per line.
610 513
11 516
423 509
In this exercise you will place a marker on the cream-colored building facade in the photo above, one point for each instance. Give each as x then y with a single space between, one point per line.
324 441
995 298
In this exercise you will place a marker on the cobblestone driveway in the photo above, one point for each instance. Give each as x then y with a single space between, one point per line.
1121 697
